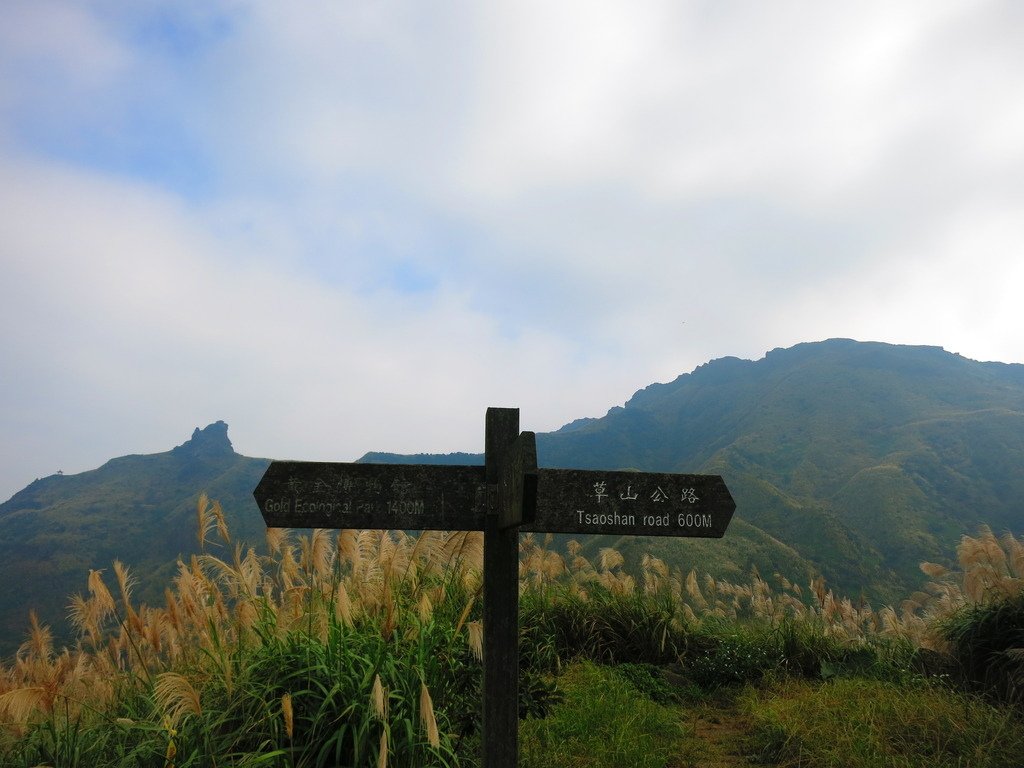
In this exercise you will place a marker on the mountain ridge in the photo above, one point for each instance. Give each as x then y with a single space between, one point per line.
823 441
851 459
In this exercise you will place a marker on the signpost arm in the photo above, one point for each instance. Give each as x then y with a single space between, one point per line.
501 605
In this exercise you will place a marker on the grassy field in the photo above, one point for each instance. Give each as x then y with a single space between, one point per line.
362 648
855 722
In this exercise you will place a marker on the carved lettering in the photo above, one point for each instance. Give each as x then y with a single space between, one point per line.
299 494
694 521
406 507
613 518
306 507
276 506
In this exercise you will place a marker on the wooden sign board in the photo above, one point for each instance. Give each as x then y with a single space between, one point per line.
303 494
631 504
298 494
507 495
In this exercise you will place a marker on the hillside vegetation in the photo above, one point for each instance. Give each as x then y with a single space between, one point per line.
864 458
364 647
139 509
853 461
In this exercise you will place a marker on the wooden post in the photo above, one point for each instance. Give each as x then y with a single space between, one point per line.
501 604
508 494
517 490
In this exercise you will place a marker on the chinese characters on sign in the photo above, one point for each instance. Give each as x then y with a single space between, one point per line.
339 495
631 494
628 514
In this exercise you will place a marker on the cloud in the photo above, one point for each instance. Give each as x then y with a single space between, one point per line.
356 226
61 40
133 321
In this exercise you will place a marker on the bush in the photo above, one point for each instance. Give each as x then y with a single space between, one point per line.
648 679
987 643
733 655
603 627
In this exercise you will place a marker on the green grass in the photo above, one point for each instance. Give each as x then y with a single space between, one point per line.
604 720
365 651
558 626
863 723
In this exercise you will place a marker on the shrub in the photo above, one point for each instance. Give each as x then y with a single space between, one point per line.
732 655
648 679
987 642
602 626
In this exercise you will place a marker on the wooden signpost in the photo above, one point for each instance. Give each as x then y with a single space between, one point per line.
507 495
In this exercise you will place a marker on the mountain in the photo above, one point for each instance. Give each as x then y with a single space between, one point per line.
855 460
864 458
137 509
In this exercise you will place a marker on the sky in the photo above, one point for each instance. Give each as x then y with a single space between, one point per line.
352 226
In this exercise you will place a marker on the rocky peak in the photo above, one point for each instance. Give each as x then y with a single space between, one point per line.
210 442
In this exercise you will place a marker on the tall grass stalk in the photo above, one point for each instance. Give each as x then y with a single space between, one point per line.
364 647
331 650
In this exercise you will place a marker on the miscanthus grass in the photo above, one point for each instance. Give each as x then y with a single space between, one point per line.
967 620
344 648
365 647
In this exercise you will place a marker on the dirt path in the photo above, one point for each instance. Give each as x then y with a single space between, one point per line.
718 736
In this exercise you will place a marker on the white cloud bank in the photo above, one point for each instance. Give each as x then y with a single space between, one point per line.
353 226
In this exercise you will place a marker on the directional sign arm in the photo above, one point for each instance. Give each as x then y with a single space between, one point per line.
631 503
300 494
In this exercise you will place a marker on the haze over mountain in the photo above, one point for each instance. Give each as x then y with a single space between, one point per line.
854 460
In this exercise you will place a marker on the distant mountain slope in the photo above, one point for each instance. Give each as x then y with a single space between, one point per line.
864 457
138 509
854 459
